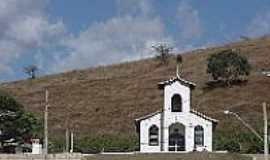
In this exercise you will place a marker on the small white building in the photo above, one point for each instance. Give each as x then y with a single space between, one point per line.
36 147
266 73
176 128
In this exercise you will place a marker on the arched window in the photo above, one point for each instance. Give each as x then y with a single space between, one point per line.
198 136
176 103
153 135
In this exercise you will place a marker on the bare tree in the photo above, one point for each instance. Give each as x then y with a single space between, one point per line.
245 38
31 70
163 51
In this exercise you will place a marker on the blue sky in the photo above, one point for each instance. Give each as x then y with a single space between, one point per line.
62 35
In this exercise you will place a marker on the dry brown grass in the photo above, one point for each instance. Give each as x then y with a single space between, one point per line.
108 99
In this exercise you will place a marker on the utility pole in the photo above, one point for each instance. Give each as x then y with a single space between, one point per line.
71 141
67 140
265 132
46 122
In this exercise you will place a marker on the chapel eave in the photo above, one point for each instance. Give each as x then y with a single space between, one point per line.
147 116
138 120
189 84
204 116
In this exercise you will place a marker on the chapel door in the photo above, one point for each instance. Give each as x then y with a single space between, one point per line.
177 137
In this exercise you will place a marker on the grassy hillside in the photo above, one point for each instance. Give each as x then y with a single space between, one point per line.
106 100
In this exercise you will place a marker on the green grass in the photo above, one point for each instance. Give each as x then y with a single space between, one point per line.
188 156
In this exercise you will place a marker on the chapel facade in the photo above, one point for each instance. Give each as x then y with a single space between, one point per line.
176 128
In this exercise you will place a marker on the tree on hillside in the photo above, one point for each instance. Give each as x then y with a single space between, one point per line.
31 71
16 125
163 52
228 66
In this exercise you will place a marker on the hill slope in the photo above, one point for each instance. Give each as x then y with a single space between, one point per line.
108 99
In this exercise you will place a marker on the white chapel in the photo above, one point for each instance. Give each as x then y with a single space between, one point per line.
176 128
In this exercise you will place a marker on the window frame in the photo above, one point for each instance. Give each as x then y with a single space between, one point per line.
176 98
198 133
153 137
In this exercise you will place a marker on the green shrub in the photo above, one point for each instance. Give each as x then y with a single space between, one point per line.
15 122
250 143
228 66
89 145
119 144
56 145
107 143
238 142
225 143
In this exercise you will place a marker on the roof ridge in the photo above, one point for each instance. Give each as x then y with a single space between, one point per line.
192 111
203 115
148 115
177 78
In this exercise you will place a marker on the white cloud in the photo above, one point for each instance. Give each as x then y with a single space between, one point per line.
116 40
135 7
260 25
188 21
33 31
128 36
23 27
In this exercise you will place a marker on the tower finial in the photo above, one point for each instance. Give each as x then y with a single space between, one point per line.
177 70
179 60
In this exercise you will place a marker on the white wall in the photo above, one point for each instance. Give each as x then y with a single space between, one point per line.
177 88
144 133
188 119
